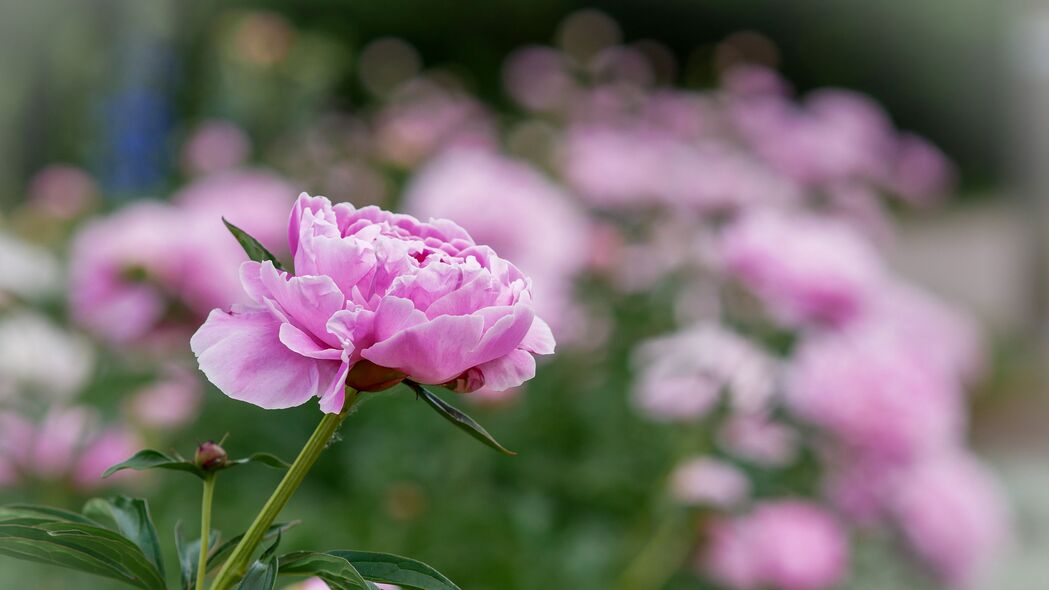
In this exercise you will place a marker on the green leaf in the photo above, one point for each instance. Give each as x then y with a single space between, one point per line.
457 418
266 459
219 554
29 514
81 547
151 459
130 517
338 573
252 247
189 555
394 569
262 575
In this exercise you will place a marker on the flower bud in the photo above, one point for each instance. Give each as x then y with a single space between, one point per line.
210 456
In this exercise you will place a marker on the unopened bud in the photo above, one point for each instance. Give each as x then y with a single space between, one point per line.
367 376
210 456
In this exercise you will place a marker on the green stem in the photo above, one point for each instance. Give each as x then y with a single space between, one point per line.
205 529
661 557
238 561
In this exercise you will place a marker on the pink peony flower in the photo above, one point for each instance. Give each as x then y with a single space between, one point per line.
755 437
872 395
377 297
170 402
922 174
66 445
62 192
803 268
683 375
505 204
709 482
150 271
214 146
953 515
784 544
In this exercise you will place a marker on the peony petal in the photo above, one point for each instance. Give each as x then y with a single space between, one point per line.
395 314
508 371
335 395
308 301
298 341
539 339
504 335
242 355
309 206
345 260
434 352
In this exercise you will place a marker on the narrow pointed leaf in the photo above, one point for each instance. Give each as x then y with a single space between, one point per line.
252 247
30 514
219 554
81 547
338 573
130 517
189 555
266 459
394 569
458 418
262 575
151 459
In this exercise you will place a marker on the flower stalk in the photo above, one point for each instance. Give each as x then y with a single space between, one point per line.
205 529
240 559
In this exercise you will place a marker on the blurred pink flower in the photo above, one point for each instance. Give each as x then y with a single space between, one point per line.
681 376
213 146
150 270
62 192
804 268
538 78
170 402
424 117
783 544
505 204
872 395
709 482
953 515
65 446
922 174
379 297
755 437
25 373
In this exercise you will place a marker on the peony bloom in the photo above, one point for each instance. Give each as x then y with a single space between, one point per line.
709 482
150 271
953 515
66 445
378 297
784 544
803 268
62 192
25 372
213 146
874 396
505 204
683 375
170 402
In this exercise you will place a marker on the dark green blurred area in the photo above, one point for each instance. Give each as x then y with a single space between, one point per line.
938 65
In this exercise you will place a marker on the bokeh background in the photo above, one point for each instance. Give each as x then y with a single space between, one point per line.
106 104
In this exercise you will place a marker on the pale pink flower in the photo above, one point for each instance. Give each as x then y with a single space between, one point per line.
709 482
170 402
506 204
62 192
757 438
383 294
150 270
922 174
872 395
953 515
538 79
67 445
213 146
783 544
804 268
684 374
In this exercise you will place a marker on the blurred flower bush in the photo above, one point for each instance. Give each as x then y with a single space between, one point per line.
748 395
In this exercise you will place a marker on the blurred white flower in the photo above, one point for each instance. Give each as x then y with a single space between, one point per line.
39 358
